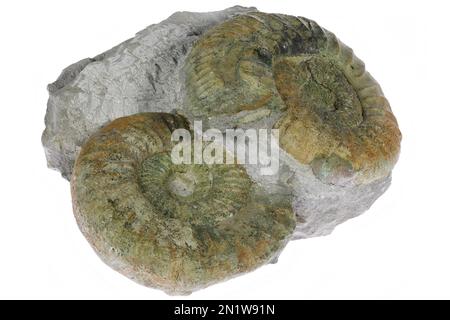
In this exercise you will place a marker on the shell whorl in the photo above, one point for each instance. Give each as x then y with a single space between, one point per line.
334 114
173 227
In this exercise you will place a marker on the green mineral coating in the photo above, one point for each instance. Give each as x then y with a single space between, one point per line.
330 105
173 227
324 90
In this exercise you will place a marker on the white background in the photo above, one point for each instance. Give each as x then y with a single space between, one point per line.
398 249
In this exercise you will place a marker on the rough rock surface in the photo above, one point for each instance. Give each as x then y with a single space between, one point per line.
148 74
141 74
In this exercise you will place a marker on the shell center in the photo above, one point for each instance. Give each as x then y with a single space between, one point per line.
182 184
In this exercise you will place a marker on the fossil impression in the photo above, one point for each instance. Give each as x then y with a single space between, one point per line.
173 227
183 227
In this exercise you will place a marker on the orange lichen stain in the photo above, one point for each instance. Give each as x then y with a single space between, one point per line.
261 248
245 257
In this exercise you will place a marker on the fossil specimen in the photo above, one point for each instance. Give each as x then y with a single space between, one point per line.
174 227
246 69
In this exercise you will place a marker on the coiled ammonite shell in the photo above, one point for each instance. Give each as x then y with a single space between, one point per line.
174 227
335 117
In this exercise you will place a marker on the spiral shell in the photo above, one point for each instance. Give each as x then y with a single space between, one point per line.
334 116
174 227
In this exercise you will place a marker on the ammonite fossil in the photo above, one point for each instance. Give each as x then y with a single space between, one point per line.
183 227
334 115
174 227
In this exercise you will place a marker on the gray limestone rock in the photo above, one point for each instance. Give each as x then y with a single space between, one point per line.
139 75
